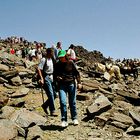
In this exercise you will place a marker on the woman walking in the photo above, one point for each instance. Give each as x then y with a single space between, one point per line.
65 74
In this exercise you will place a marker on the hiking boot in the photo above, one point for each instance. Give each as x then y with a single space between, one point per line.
45 109
75 122
54 114
64 124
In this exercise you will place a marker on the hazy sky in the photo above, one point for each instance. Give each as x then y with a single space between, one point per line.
109 26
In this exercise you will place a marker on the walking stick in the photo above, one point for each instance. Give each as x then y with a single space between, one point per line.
42 94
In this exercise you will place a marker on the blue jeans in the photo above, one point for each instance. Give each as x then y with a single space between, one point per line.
69 89
50 91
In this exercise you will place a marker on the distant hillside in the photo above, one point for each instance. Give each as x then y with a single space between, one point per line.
89 56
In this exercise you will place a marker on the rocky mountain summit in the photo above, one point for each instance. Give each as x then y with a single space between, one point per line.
107 110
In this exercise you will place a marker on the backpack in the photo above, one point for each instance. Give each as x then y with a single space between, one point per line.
36 77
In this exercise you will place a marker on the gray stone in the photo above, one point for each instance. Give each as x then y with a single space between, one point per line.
119 125
35 132
27 81
100 105
25 118
2 80
123 104
104 91
135 116
3 99
9 74
20 92
16 81
17 102
100 121
8 130
7 111
9 86
131 96
122 118
4 67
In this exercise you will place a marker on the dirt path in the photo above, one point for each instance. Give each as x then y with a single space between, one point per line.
53 129
86 130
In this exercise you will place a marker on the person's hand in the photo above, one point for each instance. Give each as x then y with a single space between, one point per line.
59 78
41 81
79 86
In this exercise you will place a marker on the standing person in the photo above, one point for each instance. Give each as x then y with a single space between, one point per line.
56 49
12 50
32 53
45 69
71 53
59 46
65 74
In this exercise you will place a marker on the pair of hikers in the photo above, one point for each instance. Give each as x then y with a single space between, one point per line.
63 72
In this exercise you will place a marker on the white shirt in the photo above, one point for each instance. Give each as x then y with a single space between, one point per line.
72 54
48 68
32 52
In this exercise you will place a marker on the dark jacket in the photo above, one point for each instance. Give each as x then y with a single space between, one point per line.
66 72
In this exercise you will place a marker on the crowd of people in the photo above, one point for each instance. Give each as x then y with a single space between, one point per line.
57 72
34 50
22 48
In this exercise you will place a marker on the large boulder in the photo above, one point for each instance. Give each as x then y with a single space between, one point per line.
8 130
25 118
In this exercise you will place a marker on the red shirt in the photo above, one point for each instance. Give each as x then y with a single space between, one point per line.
12 51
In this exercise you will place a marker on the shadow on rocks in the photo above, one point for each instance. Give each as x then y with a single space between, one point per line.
88 117
52 128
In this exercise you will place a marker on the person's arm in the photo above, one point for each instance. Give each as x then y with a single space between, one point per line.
41 76
77 75
79 84
40 70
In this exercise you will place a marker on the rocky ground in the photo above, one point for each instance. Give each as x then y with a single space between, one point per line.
107 110
88 128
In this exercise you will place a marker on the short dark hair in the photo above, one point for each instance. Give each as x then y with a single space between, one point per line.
49 51
71 46
58 43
